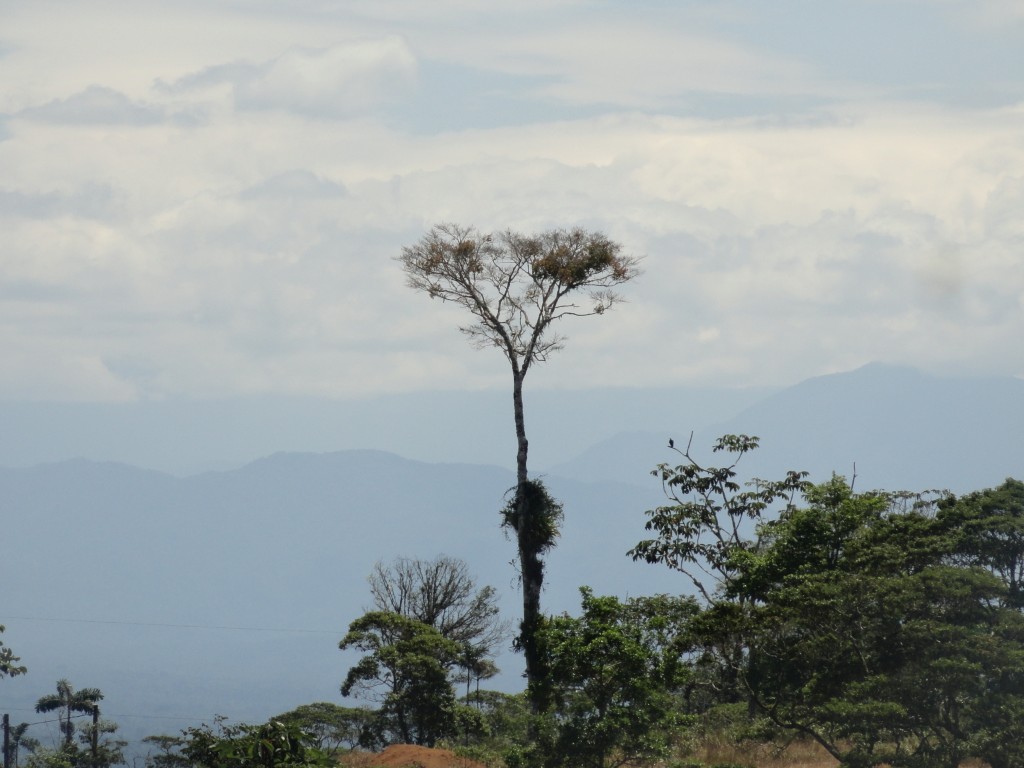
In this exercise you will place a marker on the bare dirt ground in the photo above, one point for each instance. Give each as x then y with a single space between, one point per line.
804 755
409 756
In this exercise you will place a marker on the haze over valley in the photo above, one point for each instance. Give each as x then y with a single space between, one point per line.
227 591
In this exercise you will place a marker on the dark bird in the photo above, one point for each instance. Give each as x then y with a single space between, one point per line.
671 443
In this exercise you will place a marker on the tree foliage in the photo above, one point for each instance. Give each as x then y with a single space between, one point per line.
444 595
712 518
19 741
516 286
100 748
97 747
44 757
9 666
270 745
534 517
330 728
168 751
67 702
991 533
406 670
885 626
504 723
862 635
615 673
433 627
710 525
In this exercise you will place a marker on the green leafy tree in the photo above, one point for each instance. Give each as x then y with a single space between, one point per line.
168 751
44 757
616 673
990 525
68 702
504 723
331 728
517 287
475 669
444 595
270 745
20 741
861 635
9 666
711 517
100 748
96 747
406 670
709 526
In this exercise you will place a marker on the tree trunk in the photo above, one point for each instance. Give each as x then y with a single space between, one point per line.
94 742
522 442
530 566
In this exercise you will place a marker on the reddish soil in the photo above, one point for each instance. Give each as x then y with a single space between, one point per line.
409 756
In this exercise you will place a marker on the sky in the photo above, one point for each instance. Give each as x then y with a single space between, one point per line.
205 199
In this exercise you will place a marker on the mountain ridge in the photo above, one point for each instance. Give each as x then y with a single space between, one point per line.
902 430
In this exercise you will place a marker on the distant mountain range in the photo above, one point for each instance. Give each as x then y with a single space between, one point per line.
228 591
892 427
183 437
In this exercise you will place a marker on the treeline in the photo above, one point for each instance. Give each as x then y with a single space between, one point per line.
885 627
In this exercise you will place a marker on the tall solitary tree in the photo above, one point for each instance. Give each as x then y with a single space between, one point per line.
516 287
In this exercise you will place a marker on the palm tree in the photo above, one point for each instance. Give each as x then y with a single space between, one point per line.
19 741
68 701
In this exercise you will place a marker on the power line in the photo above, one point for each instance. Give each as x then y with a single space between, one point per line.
165 717
112 714
41 722
177 626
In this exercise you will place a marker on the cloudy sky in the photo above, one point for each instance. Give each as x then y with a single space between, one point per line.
204 198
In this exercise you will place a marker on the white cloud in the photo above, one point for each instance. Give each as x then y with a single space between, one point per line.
252 250
96 105
91 200
792 245
295 184
340 81
641 65
43 374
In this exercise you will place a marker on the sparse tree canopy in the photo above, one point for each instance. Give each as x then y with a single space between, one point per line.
710 516
517 285
443 594
430 620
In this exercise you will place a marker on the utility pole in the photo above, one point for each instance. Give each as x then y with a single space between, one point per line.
95 734
7 740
